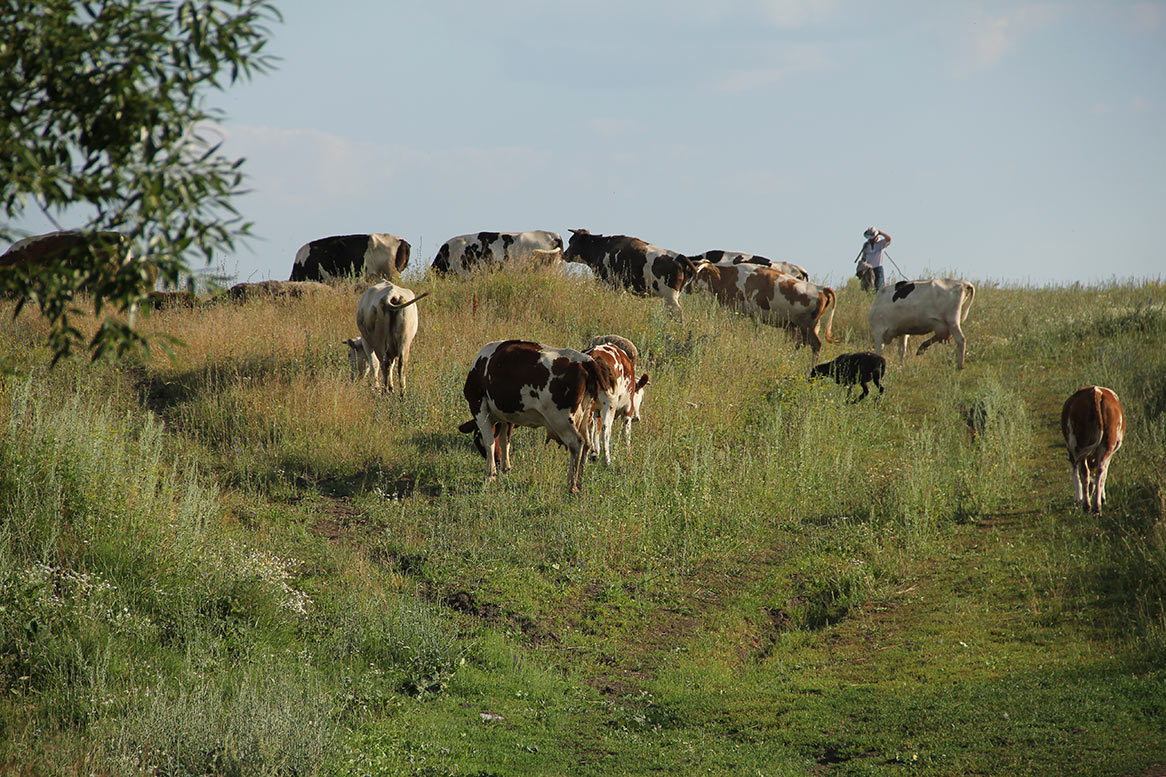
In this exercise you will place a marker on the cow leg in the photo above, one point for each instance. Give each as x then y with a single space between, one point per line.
594 430
1078 481
374 364
1102 474
862 396
903 349
489 442
577 446
927 344
627 433
961 344
387 367
608 421
507 433
403 365
673 302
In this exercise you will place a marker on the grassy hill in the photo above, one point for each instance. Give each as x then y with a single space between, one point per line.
238 561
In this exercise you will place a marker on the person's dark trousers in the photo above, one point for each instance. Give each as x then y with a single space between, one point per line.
878 277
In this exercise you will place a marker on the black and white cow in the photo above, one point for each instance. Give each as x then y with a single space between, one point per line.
482 250
737 257
375 255
633 264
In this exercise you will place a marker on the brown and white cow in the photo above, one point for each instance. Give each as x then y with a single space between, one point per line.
488 250
376 255
737 257
1093 423
520 383
387 319
99 262
936 307
772 297
625 401
631 263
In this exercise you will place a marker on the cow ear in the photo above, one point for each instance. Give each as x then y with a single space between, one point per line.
643 381
468 426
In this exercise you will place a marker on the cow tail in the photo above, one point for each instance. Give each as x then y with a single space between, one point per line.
971 296
391 306
832 303
1098 396
687 267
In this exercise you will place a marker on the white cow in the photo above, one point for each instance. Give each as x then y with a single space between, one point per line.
388 322
936 307
466 253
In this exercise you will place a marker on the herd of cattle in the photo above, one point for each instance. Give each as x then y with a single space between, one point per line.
576 396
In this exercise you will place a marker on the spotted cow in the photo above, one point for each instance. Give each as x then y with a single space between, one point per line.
520 383
936 307
773 297
488 250
736 257
376 255
631 263
625 401
1093 424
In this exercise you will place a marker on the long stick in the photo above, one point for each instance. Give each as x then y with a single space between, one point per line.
892 261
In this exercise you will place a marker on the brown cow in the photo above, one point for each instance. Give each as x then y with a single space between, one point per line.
627 398
1093 424
520 383
773 297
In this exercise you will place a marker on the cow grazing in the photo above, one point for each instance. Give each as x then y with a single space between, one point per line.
773 297
387 319
737 257
625 401
242 292
520 383
376 255
866 275
101 263
630 263
851 368
489 250
936 307
357 359
1093 423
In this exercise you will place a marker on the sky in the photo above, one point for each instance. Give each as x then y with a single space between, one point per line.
1016 142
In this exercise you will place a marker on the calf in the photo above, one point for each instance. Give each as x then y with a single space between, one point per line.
936 307
736 257
630 263
773 297
520 383
1093 424
625 401
480 250
377 254
851 368
357 360
387 320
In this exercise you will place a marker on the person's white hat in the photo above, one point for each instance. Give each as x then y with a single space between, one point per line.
870 232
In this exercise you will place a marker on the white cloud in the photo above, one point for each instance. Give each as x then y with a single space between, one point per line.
795 14
610 128
995 37
801 59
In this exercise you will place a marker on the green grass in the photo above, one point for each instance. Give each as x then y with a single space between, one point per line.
240 562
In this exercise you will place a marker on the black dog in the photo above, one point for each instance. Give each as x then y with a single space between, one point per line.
851 368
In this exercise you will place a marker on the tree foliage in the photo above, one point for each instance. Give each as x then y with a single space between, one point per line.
104 124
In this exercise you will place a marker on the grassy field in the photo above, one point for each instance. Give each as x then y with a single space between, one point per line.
238 561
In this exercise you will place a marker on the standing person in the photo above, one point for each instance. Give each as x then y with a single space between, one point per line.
872 253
